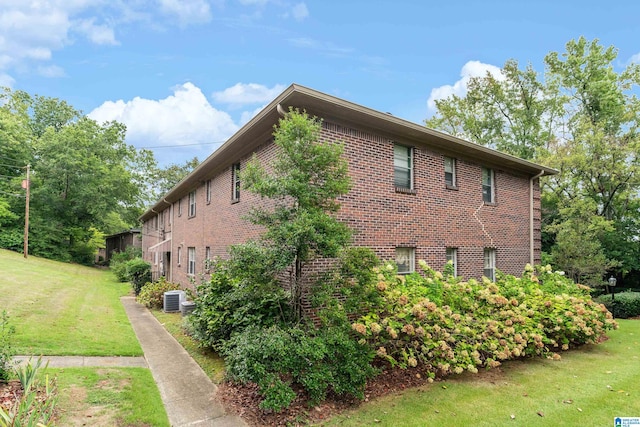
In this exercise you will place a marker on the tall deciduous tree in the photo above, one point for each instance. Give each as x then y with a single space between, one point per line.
583 120
304 182
513 112
83 181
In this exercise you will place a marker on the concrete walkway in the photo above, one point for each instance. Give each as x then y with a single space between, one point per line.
188 394
87 362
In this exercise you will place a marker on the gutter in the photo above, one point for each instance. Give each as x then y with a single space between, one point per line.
531 249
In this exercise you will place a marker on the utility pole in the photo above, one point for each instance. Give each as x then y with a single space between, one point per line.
27 185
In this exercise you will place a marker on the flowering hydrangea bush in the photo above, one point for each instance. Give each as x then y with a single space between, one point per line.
446 325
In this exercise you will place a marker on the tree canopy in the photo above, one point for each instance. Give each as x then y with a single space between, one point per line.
580 117
85 180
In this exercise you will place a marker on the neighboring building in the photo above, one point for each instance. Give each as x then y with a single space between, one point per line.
416 194
120 241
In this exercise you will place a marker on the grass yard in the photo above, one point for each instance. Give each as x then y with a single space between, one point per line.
108 397
588 387
64 309
209 361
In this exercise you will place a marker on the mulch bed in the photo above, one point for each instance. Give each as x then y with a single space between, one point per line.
243 400
10 393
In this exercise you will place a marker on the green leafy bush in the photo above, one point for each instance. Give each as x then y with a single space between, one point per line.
320 360
228 304
118 262
138 272
447 325
152 293
36 406
624 304
6 350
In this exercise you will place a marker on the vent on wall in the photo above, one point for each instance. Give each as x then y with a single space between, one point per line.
172 301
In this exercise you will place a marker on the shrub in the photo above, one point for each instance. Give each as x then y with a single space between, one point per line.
320 360
226 305
138 272
118 262
6 350
447 325
152 293
37 404
624 305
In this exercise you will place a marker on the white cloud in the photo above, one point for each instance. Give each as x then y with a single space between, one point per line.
253 2
186 117
247 93
98 34
6 80
300 12
187 11
635 59
51 71
248 115
32 30
323 47
469 70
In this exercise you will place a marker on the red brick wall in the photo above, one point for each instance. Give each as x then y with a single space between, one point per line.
431 219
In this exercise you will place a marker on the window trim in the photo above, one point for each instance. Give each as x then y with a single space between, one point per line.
453 257
208 191
180 206
235 182
207 259
490 256
491 186
191 261
409 168
192 204
179 256
412 259
453 184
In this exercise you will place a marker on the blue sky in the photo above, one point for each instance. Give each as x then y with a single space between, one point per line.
179 73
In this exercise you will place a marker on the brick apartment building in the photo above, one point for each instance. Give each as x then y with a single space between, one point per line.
416 194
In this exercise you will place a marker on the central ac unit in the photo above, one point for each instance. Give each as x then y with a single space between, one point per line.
172 301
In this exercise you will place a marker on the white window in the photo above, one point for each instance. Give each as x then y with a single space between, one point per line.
490 264
179 207
192 203
450 171
155 258
405 259
208 185
487 185
179 256
235 178
402 166
452 257
191 268
161 215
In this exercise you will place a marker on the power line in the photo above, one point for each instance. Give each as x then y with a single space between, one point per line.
13 166
180 145
12 194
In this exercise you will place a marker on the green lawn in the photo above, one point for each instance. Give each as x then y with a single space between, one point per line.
588 387
209 361
67 309
64 309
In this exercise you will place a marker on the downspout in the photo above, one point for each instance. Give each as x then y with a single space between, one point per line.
531 250
171 245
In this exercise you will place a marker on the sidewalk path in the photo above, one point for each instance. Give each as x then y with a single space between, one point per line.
86 361
188 394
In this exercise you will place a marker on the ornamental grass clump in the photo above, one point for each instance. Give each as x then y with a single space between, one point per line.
446 325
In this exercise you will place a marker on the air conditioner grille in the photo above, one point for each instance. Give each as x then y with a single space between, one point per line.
172 300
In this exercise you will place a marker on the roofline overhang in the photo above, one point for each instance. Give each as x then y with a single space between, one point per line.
259 130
